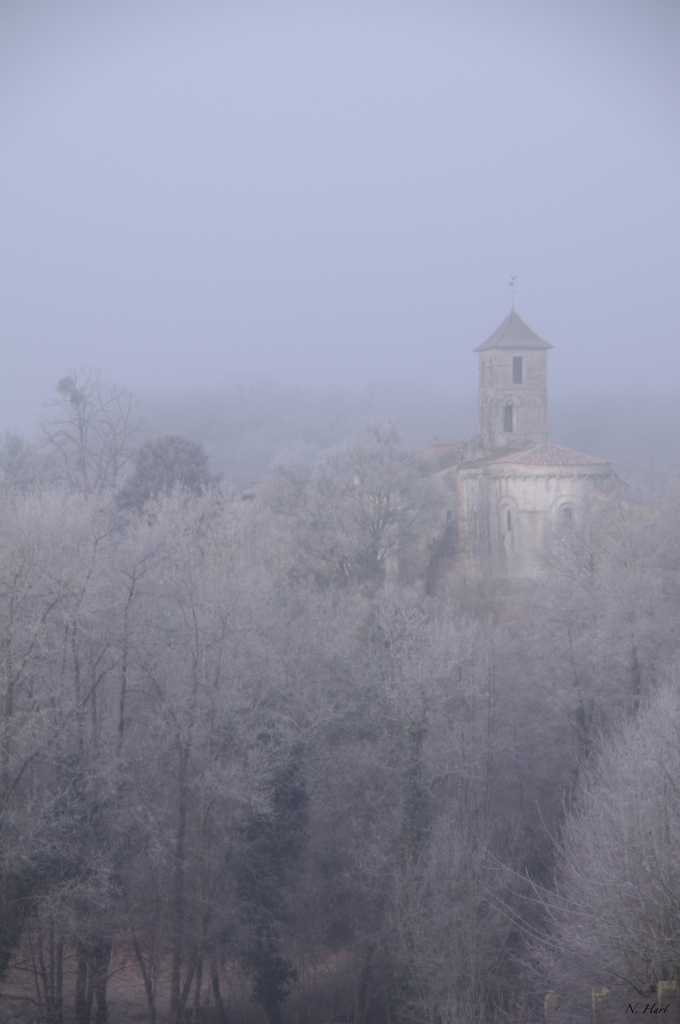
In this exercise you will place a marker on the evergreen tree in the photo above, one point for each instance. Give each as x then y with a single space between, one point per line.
162 464
276 839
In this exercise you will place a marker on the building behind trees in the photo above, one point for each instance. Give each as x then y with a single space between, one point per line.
513 488
287 755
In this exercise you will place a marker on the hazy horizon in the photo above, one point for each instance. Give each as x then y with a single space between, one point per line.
330 194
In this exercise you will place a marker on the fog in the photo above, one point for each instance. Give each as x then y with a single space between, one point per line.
304 716
332 194
249 427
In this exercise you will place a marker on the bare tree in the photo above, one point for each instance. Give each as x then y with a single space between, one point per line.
92 434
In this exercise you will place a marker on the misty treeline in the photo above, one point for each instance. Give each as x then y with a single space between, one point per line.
248 426
271 757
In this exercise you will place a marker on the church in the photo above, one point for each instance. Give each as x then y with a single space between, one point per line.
514 487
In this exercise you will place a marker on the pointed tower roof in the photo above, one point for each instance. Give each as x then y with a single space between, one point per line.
513 333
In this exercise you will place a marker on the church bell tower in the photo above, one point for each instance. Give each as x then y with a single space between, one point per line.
513 392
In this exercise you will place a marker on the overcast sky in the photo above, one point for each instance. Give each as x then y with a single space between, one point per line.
334 192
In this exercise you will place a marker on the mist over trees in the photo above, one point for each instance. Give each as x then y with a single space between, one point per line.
273 747
268 755
247 427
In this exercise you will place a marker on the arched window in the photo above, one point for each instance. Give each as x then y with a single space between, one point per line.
507 418
567 513
508 520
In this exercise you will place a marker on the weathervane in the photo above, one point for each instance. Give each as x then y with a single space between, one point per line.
511 286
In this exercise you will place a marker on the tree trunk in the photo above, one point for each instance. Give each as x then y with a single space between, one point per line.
197 990
363 990
100 959
148 984
82 1012
176 1005
217 995
47 993
186 987
59 982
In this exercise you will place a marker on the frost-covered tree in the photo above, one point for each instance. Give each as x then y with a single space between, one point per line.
614 914
363 507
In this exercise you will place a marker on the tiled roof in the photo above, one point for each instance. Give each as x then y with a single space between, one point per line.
513 333
483 460
547 454
437 457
